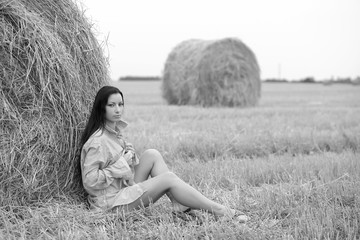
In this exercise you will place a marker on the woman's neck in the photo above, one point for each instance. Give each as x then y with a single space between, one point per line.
111 125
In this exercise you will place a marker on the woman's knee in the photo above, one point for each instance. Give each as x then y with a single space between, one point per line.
161 183
151 154
170 177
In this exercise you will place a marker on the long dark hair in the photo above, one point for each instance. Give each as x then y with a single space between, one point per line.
97 116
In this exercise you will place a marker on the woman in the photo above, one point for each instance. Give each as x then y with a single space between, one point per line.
114 177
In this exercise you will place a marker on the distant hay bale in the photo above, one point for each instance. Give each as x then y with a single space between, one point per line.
212 73
51 66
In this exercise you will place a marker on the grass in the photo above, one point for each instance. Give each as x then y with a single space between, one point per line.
292 164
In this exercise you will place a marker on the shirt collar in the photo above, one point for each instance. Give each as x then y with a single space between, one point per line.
119 126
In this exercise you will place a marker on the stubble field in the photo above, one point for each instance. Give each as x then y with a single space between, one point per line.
292 164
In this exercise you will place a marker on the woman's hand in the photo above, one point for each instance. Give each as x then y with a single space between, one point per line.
129 147
129 156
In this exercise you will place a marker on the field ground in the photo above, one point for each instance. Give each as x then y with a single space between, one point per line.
292 164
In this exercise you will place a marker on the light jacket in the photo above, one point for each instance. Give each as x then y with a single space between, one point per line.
104 168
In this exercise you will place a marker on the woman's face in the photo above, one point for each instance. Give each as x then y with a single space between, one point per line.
114 108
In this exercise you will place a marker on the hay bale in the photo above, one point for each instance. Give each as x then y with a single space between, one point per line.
51 66
212 73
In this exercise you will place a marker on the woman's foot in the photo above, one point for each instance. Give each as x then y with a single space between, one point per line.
233 214
240 217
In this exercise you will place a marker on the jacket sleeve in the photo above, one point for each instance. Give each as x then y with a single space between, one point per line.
96 174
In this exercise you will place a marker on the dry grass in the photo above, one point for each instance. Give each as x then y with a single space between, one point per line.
286 198
51 67
212 73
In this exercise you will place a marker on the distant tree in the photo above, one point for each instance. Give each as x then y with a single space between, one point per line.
275 80
139 78
308 80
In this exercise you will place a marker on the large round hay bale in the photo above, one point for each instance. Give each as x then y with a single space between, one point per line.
51 66
212 73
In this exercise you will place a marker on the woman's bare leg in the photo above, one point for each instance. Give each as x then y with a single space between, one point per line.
182 192
152 164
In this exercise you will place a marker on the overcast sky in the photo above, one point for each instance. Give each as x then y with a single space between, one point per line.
291 39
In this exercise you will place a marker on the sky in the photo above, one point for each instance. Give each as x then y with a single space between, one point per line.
292 39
